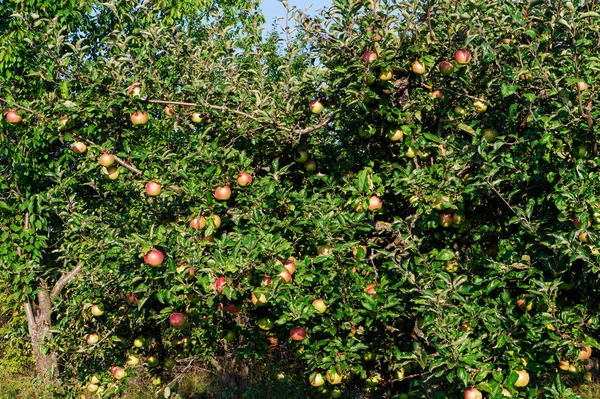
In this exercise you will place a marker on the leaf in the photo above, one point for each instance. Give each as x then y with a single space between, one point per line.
466 128
432 137
507 90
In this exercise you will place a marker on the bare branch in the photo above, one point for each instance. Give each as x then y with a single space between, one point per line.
64 280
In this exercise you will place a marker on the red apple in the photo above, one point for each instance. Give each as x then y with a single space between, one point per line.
581 86
290 265
438 94
11 116
473 393
152 189
131 299
446 67
231 308
244 178
219 284
118 372
298 333
418 68
198 222
375 203
154 257
78 147
178 320
106 159
266 281
286 276
97 309
315 106
139 118
223 193
134 90
319 305
463 56
369 56
371 289
585 353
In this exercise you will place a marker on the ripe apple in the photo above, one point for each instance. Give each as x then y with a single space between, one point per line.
302 156
446 68
316 379
133 360
310 166
585 353
156 381
581 86
196 117
285 276
490 134
325 250
371 289
259 299
334 378
459 111
462 56
106 159
11 116
244 178
219 284
290 265
152 189
169 111
112 172
178 320
94 379
139 342
480 106
198 222
418 68
266 281
446 220
231 308
152 361
437 94
410 153
132 299
369 56
375 203
298 333
564 365
319 305
92 387
583 237
223 193
139 118
134 90
523 378
473 393
92 339
78 147
396 135
265 323
118 372
154 257
98 309
386 75
315 106
524 305
506 40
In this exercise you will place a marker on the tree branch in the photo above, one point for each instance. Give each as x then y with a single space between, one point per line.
64 280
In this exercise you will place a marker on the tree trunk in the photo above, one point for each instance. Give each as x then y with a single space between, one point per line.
39 321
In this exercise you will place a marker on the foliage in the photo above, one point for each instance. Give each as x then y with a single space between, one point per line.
510 285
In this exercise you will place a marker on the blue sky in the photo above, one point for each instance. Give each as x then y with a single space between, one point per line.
274 8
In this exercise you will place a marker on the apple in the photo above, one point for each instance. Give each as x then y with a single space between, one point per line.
98 309
523 378
178 320
223 193
230 336
92 339
219 284
371 289
285 276
581 86
451 266
302 156
169 111
156 381
78 147
507 40
396 135
106 159
139 118
369 56
266 281
152 189
154 257
418 68
366 132
325 250
336 393
506 393
583 237
112 172
480 106
446 68
473 393
133 360
490 134
92 387
139 342
131 299
462 56
334 378
438 203
459 111
259 299
437 94
118 372
386 75
357 255
196 117
265 323
134 90
298 333
375 203
580 152
169 363
316 379
457 219
290 265
374 380
564 365
585 353
410 153
524 305
94 379
319 305
315 106
11 116
198 222
446 220
244 178
152 361
310 166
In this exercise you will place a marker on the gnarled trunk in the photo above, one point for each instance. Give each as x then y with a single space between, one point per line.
39 313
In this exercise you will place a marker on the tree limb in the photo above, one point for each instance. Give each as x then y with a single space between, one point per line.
64 280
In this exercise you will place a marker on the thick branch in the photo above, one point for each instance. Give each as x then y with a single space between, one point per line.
64 280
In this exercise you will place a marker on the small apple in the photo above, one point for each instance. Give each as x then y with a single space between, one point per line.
310 166
418 68
581 86
133 360
134 90
473 393
458 218
244 178
231 308
386 75
506 393
154 257
480 106
316 379
112 172
230 336
223 193
152 361
564 365
118 372
298 333
266 281
585 353
336 393
371 289
523 378
490 134
219 284
139 118
375 203
507 40
94 379
438 203
302 156
459 111
451 266
169 363
265 323
325 250
259 299
524 305
369 56
290 265
285 276
196 117
78 147
410 152
373 380
178 320
11 116
359 255
139 342
315 106
462 56
396 135
97 309
580 152
446 68
106 159
131 299
153 189
446 220
92 339
334 378
156 381
319 305
168 111
437 94
92 387
198 222
584 237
